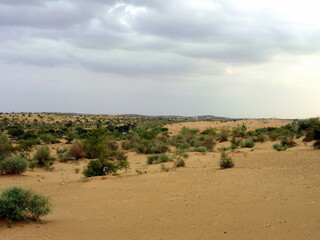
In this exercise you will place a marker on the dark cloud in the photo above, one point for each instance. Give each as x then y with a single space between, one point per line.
187 30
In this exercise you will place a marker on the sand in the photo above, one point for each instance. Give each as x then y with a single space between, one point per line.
268 195
251 124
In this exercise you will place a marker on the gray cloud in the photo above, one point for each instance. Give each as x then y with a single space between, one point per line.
178 54
220 32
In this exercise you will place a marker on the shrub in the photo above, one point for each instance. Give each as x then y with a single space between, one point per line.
198 149
104 167
224 134
189 131
208 142
95 145
226 161
13 165
288 142
152 147
181 151
69 137
18 204
130 143
43 156
158 158
248 143
235 143
316 145
63 155
259 138
239 131
77 150
25 146
163 168
49 139
279 147
209 131
113 145
5 147
179 163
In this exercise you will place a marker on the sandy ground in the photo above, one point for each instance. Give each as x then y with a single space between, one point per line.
251 124
268 195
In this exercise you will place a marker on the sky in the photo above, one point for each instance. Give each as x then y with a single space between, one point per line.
248 58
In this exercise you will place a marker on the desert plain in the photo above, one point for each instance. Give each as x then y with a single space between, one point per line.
267 195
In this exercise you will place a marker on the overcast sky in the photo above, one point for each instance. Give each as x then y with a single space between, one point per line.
230 58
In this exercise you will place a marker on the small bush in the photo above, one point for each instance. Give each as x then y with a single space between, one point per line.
235 143
130 143
208 142
18 204
152 147
198 149
288 142
223 135
112 145
260 138
43 156
279 147
13 165
163 168
77 150
248 143
104 167
5 147
226 161
179 163
316 145
49 139
158 158
64 155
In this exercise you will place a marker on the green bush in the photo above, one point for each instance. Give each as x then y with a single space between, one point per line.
224 134
288 142
198 149
112 145
43 157
95 145
235 143
158 158
163 168
208 142
239 131
152 147
279 147
26 146
259 138
18 204
104 167
64 155
13 165
49 139
226 161
179 162
210 131
5 147
189 131
248 143
130 143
